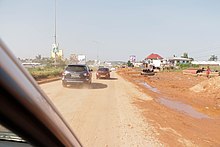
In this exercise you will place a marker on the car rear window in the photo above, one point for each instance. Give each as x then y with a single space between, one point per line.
76 68
103 69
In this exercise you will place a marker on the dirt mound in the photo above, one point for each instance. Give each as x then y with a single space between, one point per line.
210 85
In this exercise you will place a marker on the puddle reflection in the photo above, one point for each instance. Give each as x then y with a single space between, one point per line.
182 107
179 106
150 88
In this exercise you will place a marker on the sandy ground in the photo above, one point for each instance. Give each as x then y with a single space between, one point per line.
167 109
106 114
183 113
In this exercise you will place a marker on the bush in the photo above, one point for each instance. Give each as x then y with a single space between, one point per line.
187 65
45 72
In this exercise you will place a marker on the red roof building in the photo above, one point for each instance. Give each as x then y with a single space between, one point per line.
154 56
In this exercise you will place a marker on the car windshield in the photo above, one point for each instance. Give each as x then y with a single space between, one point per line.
76 68
103 69
155 67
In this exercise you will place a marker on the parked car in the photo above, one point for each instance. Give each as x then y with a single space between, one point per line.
103 73
76 74
27 111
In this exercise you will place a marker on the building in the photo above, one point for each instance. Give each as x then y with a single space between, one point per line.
179 60
132 59
154 59
138 64
206 63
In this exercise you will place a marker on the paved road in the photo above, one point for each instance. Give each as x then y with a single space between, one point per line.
104 115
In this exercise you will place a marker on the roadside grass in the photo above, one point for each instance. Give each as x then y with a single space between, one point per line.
39 73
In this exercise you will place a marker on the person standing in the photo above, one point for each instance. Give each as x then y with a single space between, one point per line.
208 71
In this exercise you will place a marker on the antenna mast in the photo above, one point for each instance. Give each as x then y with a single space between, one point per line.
55 24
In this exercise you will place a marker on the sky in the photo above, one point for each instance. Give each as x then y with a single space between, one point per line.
112 30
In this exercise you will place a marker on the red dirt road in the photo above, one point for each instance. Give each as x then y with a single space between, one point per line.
182 117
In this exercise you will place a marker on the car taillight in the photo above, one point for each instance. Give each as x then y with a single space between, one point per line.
86 74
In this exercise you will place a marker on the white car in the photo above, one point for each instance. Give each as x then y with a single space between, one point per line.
112 69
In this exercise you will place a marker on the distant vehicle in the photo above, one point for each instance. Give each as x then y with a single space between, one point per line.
103 73
112 69
123 66
148 72
31 65
76 74
27 111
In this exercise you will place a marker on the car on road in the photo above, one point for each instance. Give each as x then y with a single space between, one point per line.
103 73
28 114
76 74
113 69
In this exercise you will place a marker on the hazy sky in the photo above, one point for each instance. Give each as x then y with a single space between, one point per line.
112 29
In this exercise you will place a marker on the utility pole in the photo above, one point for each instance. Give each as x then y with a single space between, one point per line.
55 31
97 50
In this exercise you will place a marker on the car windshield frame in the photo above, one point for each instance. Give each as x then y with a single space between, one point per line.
41 124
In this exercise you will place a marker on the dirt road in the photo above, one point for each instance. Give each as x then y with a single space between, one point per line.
104 115
180 115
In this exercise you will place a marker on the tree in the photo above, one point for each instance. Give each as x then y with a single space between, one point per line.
130 64
185 55
38 57
90 62
213 58
73 59
61 62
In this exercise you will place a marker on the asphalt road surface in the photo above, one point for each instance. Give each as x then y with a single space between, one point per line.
104 115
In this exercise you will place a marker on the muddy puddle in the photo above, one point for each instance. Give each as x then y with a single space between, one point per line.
176 105
179 106
151 88
148 86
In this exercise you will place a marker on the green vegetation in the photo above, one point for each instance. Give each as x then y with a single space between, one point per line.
213 58
49 68
180 66
187 65
45 72
130 64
